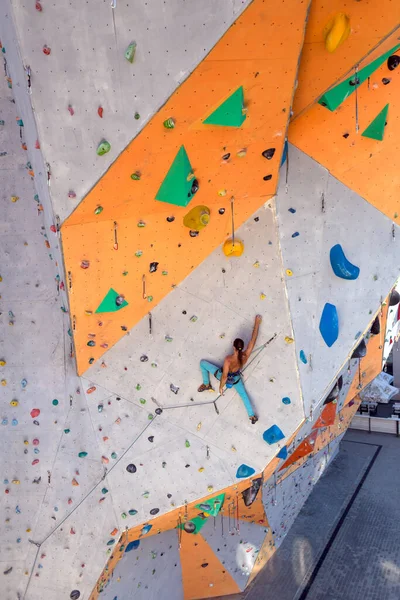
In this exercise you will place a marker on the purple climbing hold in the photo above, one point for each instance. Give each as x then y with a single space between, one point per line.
131 468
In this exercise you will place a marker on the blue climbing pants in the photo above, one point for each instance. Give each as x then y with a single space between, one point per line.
207 368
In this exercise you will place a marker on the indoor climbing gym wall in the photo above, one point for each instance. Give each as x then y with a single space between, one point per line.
171 170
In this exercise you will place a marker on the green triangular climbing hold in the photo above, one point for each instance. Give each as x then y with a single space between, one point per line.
334 97
177 185
111 302
212 506
230 113
376 129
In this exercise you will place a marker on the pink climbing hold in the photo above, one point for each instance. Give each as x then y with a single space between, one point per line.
35 412
35 462
100 112
35 442
46 50
71 110
37 145
38 7
105 460
71 194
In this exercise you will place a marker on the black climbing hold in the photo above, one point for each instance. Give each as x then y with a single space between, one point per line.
354 81
184 312
256 219
393 62
193 233
187 466
268 154
267 177
75 594
376 326
124 328
7 571
221 211
170 219
360 351
131 468
153 267
386 80
118 398
334 393
151 438
394 298
204 565
119 300
195 187
169 495
158 411
346 135
323 104
223 270
189 527
250 494
226 156
144 358
154 511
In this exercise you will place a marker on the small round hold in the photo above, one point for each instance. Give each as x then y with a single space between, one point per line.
226 156
158 411
354 81
268 154
169 495
386 80
189 527
221 211
131 468
267 177
393 62
151 438
75 594
119 300
144 358
184 312
154 511
170 219
195 187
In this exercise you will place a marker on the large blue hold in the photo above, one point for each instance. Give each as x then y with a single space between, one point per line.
329 324
273 435
132 545
244 471
341 266
282 453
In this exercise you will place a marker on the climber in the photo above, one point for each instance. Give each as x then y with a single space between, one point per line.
231 374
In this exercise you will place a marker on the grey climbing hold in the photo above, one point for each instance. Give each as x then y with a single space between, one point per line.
144 358
119 300
394 298
250 494
221 211
131 468
151 438
360 351
193 233
75 594
154 511
189 527
7 571
173 388
158 411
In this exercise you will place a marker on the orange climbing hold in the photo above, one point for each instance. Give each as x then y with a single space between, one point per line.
233 247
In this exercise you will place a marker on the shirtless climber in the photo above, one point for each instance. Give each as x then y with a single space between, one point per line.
231 373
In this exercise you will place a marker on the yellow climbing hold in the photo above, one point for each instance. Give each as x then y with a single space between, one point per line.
197 218
231 248
262 296
26 442
201 469
210 488
16 481
241 152
14 198
2 363
233 449
88 313
289 273
14 403
336 31
3 382
221 192
256 264
289 340
199 426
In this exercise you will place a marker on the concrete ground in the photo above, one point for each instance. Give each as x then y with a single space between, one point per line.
344 543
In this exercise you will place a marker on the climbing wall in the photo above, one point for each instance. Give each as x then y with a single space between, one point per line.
330 268
156 164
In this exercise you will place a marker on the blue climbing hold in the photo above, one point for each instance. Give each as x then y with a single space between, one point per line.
132 545
286 400
303 357
292 210
146 529
273 435
329 324
244 471
285 153
295 234
341 266
282 453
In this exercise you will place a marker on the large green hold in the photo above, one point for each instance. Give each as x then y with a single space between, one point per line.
376 129
177 185
230 113
335 96
109 304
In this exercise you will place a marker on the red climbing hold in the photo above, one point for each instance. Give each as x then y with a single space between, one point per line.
100 112
35 412
37 145
53 228
46 50
35 462
38 7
